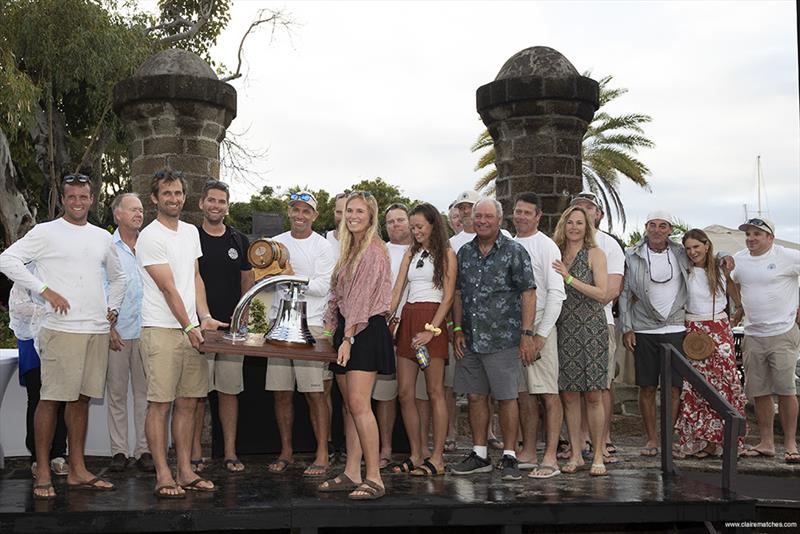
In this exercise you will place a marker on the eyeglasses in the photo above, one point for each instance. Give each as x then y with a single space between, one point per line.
422 258
75 178
168 174
217 183
305 197
650 268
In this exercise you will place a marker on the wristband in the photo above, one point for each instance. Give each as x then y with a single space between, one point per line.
457 329
569 280
327 333
206 316
44 288
189 328
449 324
430 328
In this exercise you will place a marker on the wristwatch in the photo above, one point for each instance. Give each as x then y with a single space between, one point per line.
528 333
349 339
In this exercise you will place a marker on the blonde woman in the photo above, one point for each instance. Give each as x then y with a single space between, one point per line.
582 334
361 292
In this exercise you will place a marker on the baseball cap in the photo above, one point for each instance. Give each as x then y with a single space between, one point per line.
470 197
760 223
663 215
586 196
303 196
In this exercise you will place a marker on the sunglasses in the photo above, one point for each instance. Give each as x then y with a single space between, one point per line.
304 197
758 222
75 178
422 258
217 183
365 194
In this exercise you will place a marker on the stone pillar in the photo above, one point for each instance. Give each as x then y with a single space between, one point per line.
537 110
175 111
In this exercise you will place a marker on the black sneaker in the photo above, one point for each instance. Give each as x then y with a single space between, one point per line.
472 464
509 468
145 463
118 463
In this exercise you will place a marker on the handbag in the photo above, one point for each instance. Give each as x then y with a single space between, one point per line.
699 346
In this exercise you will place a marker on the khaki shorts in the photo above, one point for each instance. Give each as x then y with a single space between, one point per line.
385 388
283 374
769 364
72 365
174 368
225 373
541 377
612 354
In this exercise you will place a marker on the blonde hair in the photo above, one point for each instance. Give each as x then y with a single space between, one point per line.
560 235
350 252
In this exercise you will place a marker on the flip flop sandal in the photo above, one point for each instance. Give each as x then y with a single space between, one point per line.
92 485
45 497
572 468
344 484
161 494
598 470
792 457
611 448
450 445
231 465
752 452
199 465
701 455
649 451
193 486
384 462
406 466
427 469
281 465
550 471
321 470
371 491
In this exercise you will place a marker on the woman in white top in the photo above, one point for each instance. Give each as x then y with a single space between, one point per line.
428 273
700 429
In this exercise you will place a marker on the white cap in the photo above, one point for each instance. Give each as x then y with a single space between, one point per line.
662 215
470 197
762 223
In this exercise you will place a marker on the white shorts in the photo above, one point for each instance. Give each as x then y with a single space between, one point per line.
541 377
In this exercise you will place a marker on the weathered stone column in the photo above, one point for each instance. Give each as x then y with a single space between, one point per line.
175 111
537 110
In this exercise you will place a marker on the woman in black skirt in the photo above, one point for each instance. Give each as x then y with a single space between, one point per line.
361 292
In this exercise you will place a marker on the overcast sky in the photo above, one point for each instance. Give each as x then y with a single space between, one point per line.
366 89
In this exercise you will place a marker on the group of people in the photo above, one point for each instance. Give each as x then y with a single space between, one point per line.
522 321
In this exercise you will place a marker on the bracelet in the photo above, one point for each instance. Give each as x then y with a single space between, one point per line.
430 328
327 333
449 324
44 288
569 280
457 329
189 328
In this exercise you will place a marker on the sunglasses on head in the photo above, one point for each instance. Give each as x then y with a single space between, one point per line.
217 183
365 194
304 197
75 179
421 260
758 222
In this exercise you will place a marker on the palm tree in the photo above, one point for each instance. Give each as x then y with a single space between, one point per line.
609 149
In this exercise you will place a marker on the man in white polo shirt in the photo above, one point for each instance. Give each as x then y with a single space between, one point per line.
766 275
173 299
540 379
73 259
311 256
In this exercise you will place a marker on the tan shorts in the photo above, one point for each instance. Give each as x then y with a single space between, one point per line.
174 368
421 388
225 373
283 374
541 377
769 364
385 388
612 354
72 365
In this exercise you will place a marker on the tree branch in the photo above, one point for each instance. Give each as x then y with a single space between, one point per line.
276 18
194 27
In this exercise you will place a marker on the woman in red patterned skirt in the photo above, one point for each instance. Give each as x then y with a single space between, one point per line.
699 427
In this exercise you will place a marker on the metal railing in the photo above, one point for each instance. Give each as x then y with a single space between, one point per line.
734 421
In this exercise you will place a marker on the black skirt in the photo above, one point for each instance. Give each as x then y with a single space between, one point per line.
373 350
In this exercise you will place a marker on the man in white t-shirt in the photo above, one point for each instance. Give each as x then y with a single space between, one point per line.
540 379
454 219
173 299
309 255
615 261
385 390
73 259
340 200
766 274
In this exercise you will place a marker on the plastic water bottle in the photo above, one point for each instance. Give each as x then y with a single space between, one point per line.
423 358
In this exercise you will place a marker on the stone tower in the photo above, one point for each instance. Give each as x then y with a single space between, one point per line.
176 112
537 110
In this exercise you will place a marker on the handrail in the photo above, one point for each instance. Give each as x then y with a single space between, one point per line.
734 421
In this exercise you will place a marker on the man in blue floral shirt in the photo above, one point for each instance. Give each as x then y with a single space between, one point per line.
493 311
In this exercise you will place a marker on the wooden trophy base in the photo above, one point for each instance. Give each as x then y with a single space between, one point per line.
256 345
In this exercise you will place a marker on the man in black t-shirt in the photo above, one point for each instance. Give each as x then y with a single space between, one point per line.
227 275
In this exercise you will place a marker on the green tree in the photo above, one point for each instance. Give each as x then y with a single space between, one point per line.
609 151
